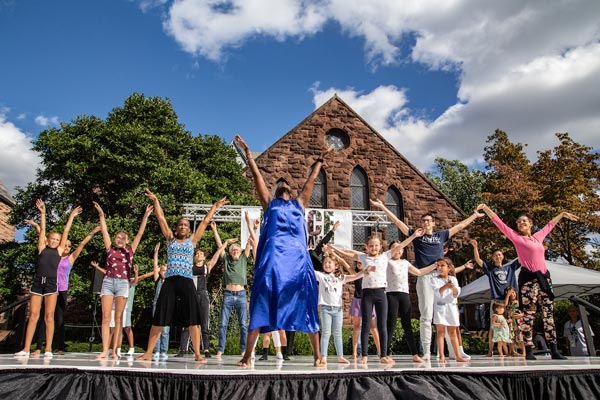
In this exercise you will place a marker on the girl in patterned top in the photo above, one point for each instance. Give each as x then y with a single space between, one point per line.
115 285
177 299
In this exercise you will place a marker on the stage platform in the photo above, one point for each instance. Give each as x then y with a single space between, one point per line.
80 376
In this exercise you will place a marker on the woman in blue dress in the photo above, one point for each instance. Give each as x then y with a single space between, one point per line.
284 292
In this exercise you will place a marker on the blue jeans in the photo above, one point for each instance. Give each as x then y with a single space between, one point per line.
234 299
331 320
162 346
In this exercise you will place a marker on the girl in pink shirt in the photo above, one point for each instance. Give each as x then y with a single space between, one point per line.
534 280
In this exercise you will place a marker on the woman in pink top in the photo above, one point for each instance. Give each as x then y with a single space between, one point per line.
534 279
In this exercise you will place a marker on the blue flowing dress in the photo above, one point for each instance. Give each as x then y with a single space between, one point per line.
284 291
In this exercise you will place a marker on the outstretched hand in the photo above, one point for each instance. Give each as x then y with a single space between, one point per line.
98 208
241 143
473 242
151 195
570 216
221 202
377 203
149 209
39 203
76 211
419 232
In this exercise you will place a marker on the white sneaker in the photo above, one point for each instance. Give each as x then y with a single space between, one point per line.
463 354
426 357
155 356
279 356
48 354
252 356
130 352
164 356
22 354
119 353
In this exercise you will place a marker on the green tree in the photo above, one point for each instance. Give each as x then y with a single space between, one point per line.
462 184
140 144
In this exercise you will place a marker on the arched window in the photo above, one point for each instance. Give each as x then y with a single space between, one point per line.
393 202
318 197
359 200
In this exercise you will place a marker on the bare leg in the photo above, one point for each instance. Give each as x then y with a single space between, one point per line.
491 344
106 301
376 336
252 336
441 332
120 303
453 331
355 333
155 332
314 341
50 306
195 335
35 305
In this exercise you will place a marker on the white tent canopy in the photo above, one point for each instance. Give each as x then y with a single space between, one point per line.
567 281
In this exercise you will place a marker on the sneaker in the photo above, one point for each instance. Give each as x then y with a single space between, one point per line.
426 357
155 356
207 354
119 353
130 352
22 354
279 356
164 356
286 357
464 355
180 354
48 354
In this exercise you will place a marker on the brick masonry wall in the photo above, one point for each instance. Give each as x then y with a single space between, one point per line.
7 231
292 156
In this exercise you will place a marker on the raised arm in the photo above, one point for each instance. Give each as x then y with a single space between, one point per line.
103 227
73 256
307 189
261 189
401 225
476 256
562 215
42 231
98 267
252 234
156 269
423 271
464 223
138 237
468 265
65 235
204 224
218 241
319 248
348 253
417 233
488 211
160 216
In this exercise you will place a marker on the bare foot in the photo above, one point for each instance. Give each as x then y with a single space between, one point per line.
244 362
387 360
115 356
442 360
342 360
418 359
200 359
144 357
218 355
460 359
320 362
354 357
36 353
364 360
102 356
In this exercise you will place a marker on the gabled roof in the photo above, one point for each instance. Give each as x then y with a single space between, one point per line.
336 98
5 196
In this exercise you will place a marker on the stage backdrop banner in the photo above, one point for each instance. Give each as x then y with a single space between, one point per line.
254 213
319 221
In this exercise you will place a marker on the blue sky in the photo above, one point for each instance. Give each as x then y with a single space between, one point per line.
434 77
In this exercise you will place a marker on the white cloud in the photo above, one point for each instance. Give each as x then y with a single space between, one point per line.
21 116
45 121
18 162
530 68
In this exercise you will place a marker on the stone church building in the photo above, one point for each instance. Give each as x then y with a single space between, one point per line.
363 166
7 231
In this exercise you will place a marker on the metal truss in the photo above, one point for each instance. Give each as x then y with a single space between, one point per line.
233 213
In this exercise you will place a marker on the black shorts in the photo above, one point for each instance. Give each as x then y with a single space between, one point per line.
177 303
43 285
